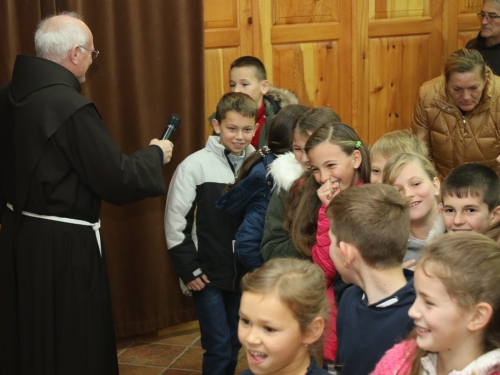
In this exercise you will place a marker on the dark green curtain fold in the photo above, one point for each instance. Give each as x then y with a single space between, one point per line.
150 66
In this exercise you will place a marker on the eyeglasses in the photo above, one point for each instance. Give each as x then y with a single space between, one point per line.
489 17
94 52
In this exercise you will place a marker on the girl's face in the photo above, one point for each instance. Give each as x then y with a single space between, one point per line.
413 183
329 162
442 326
299 141
271 336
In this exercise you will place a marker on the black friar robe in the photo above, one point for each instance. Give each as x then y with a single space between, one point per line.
57 159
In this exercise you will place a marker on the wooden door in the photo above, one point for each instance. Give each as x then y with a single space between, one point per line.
365 59
466 26
399 47
228 35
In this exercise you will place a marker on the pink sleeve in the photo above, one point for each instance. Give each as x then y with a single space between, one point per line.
397 360
321 249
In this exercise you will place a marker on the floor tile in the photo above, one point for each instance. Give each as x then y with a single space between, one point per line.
180 372
122 344
190 360
183 340
150 354
140 370
197 343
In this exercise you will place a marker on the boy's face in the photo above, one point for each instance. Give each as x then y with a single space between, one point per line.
377 168
243 79
466 214
236 131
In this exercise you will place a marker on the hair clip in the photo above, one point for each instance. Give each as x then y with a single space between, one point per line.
264 151
358 144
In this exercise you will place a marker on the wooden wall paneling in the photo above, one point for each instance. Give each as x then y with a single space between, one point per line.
360 69
405 50
394 86
228 35
346 66
304 49
468 24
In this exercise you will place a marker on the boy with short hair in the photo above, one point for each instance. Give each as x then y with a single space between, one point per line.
390 144
470 195
369 228
202 253
248 75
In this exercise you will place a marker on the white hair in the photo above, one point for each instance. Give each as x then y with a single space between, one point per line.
496 3
54 40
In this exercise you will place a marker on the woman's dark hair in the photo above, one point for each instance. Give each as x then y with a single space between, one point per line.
279 138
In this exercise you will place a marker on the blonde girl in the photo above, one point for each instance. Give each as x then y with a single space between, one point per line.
415 178
456 311
282 316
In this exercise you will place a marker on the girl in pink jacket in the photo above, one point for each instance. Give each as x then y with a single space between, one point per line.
338 160
456 312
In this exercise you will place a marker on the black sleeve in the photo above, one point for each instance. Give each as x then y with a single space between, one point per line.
100 164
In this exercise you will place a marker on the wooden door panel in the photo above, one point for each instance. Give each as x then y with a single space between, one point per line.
310 70
217 63
464 37
306 41
287 12
394 81
228 35
404 49
388 9
219 14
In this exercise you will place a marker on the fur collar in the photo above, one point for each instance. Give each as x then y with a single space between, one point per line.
285 170
437 229
284 96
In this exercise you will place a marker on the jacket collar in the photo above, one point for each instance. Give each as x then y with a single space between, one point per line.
214 145
32 73
484 365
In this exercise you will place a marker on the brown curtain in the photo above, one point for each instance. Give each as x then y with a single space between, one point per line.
150 65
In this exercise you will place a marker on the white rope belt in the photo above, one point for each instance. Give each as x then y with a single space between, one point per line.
95 226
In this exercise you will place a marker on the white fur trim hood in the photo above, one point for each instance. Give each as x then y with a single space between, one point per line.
285 170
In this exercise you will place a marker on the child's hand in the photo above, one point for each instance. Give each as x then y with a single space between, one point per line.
198 283
328 190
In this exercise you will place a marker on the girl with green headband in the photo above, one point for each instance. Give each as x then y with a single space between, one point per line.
338 160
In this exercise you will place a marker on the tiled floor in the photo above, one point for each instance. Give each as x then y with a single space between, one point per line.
179 354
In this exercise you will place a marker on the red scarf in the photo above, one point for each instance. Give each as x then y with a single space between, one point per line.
261 119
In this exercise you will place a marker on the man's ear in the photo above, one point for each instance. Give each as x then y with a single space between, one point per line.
265 87
74 54
314 331
216 126
495 215
481 316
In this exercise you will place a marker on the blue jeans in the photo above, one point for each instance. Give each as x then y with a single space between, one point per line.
218 314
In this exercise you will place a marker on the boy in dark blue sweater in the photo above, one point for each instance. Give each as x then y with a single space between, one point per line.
369 228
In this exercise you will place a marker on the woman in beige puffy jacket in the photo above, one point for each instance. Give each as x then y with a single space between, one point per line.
458 113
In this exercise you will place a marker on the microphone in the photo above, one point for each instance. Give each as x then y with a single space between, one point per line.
173 123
